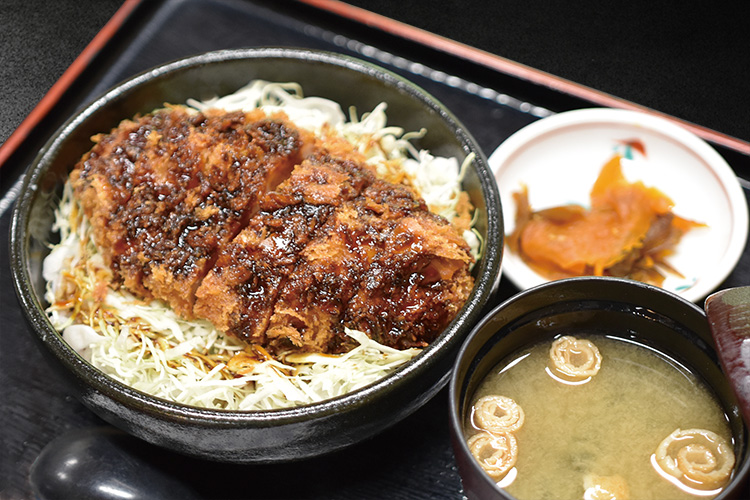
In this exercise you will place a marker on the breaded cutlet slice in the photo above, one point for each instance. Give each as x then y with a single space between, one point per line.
240 294
166 191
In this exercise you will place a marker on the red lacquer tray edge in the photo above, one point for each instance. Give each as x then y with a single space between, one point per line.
385 24
515 69
73 71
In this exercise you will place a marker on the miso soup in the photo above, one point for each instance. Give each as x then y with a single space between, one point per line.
610 428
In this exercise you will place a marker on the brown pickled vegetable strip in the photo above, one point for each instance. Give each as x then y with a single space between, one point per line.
629 231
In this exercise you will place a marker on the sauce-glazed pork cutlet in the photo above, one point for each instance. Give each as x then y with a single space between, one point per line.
239 293
415 285
275 236
390 277
251 277
366 234
166 191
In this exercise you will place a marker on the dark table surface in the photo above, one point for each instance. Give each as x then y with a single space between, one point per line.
689 62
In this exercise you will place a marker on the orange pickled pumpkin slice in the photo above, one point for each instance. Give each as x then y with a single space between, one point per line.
628 231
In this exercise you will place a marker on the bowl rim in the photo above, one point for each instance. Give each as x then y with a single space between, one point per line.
488 274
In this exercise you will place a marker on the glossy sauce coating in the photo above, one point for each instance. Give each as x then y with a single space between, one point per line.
274 235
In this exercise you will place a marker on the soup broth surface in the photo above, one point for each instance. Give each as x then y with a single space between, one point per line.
610 425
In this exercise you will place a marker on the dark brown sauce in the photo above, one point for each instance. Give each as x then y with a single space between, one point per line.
253 224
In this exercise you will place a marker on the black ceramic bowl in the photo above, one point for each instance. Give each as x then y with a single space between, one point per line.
263 436
610 306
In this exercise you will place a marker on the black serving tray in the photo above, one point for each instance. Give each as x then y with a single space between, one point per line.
493 97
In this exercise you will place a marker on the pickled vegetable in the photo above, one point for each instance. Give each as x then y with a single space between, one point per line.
629 231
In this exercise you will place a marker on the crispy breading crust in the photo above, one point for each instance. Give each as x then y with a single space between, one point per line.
247 221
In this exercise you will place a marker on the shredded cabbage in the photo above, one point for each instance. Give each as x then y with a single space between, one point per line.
147 346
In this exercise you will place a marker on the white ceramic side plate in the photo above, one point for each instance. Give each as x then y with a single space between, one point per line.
559 158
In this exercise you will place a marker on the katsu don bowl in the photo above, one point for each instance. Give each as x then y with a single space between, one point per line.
201 273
